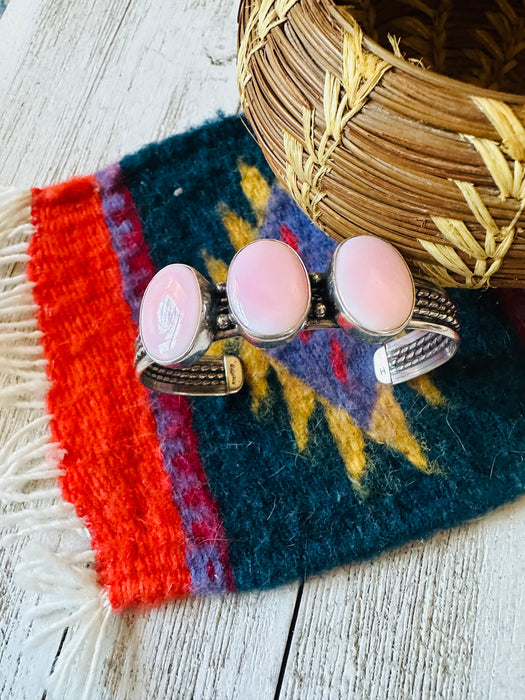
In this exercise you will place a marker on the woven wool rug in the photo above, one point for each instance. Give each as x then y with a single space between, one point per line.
312 465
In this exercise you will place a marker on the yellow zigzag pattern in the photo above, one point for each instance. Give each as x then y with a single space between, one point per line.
388 423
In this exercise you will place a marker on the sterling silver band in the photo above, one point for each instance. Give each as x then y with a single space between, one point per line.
430 339
209 376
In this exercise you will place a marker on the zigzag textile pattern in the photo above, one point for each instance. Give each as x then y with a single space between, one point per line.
311 466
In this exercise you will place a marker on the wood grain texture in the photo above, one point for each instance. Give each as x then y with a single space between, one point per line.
82 84
224 647
442 619
21 671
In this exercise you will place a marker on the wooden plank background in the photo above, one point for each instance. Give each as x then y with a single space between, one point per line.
82 83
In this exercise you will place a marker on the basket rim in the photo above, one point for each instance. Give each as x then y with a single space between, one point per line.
426 74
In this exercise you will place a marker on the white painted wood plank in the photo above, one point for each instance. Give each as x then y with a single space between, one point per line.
498 651
21 671
223 648
18 669
99 80
441 619
82 84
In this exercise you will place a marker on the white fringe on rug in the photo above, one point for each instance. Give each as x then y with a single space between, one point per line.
29 474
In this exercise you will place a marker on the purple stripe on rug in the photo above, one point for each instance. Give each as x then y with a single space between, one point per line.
335 364
206 545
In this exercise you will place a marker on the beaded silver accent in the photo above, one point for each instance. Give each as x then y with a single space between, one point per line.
430 339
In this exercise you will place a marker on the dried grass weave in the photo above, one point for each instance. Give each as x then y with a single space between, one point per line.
389 118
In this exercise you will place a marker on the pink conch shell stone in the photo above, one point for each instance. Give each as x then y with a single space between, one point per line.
374 284
170 314
268 290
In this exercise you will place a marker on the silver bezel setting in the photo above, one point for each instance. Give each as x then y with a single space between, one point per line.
431 338
289 334
203 336
348 322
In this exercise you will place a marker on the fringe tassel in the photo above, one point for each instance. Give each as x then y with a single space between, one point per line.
30 473
76 603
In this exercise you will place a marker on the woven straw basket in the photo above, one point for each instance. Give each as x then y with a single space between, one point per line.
389 118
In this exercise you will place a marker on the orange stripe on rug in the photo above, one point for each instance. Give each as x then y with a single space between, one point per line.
113 471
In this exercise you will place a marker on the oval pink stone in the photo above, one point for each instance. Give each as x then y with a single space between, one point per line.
170 313
374 284
268 290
